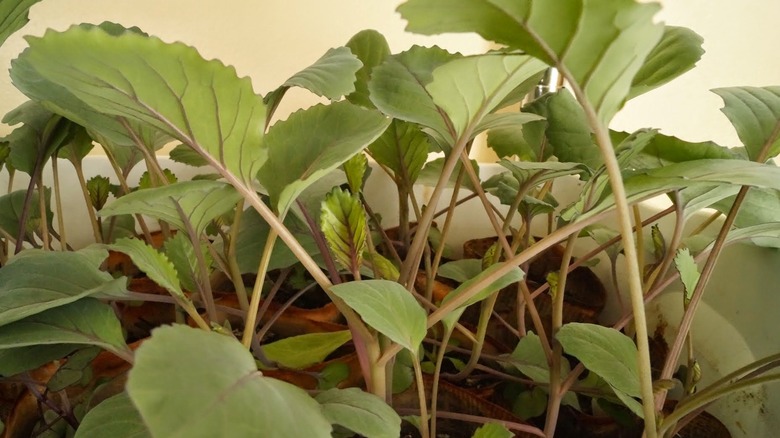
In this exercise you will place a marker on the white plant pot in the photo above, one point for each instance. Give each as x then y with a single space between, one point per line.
735 325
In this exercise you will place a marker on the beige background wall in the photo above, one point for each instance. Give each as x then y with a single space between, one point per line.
269 40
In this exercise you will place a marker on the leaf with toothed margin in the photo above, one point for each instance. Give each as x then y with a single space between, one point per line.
169 86
755 113
343 223
371 49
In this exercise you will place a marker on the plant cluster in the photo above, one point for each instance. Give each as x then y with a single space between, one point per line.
280 208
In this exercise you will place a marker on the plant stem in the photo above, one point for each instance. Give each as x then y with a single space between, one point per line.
58 203
421 397
254 303
96 232
436 376
230 257
126 189
45 236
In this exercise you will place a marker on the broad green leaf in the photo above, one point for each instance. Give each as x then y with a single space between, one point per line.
630 402
604 351
181 254
493 430
360 412
385 269
313 142
225 394
355 169
430 174
527 142
663 150
482 82
755 113
5 152
678 51
567 132
35 281
147 182
388 308
331 76
524 171
78 146
299 352
170 86
252 235
201 200
529 358
507 120
152 262
118 227
601 44
505 280
689 272
11 205
343 223
601 234
760 206
38 138
86 322
331 375
371 49
15 16
403 148
460 270
116 417
16 360
76 370
398 87
99 187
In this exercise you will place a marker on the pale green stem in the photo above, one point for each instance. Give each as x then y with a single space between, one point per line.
421 397
445 230
96 231
254 303
58 203
126 189
640 241
45 236
486 311
232 262
445 341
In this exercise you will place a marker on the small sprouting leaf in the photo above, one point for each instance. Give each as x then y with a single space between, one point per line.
201 200
755 113
146 181
35 281
403 148
313 142
604 351
181 253
529 358
384 268
371 49
99 187
343 222
152 262
492 430
388 308
530 403
185 155
689 272
482 83
299 352
397 87
226 394
659 243
355 169
360 412
115 417
84 322
331 375
678 51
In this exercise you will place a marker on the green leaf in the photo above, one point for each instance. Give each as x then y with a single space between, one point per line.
35 281
201 200
530 403
630 403
86 322
360 412
99 187
201 103
460 270
355 169
678 51
388 308
525 171
663 150
78 147
182 256
77 369
115 417
398 87
15 16
493 430
313 142
299 352
153 263
11 205
403 148
343 222
601 44
371 49
430 174
331 76
16 360
505 280
755 113
226 395
689 272
605 351
482 82
38 138
185 155
529 358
